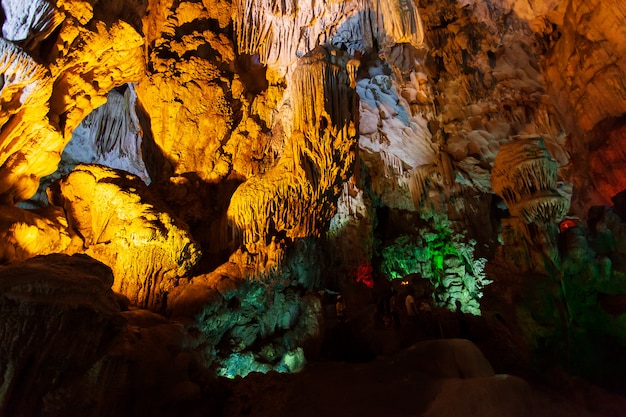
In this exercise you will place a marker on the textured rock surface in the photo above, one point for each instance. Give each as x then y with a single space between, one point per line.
27 233
124 226
46 92
246 322
58 317
297 196
29 145
585 66
150 369
525 176
188 90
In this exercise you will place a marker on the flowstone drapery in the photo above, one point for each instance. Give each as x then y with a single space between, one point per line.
280 31
124 226
525 175
297 198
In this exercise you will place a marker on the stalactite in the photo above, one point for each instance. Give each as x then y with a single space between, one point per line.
524 174
298 195
281 30
400 20
111 123
419 183
29 21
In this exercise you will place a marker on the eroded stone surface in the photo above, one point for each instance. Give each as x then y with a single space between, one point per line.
46 92
25 233
58 317
125 227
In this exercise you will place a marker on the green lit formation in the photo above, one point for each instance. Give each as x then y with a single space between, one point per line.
438 254
241 364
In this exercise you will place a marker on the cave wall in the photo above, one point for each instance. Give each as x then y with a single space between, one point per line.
287 145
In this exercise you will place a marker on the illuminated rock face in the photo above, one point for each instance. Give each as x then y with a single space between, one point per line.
122 225
297 197
26 234
28 142
46 92
188 90
279 31
585 70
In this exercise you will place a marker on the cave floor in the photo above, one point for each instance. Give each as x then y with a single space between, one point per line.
416 370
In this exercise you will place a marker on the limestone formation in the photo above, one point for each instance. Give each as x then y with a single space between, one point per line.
59 316
588 86
297 197
25 233
45 97
524 175
29 145
605 161
124 226
187 92
151 355
227 308
87 64
296 145
28 23
585 70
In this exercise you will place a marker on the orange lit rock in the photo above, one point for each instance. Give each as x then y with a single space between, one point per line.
29 146
25 234
608 165
186 91
587 66
88 63
45 97
298 196
125 227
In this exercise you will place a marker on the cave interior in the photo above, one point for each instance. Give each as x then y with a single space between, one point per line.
272 207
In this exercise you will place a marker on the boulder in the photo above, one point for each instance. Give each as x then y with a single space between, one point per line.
59 316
